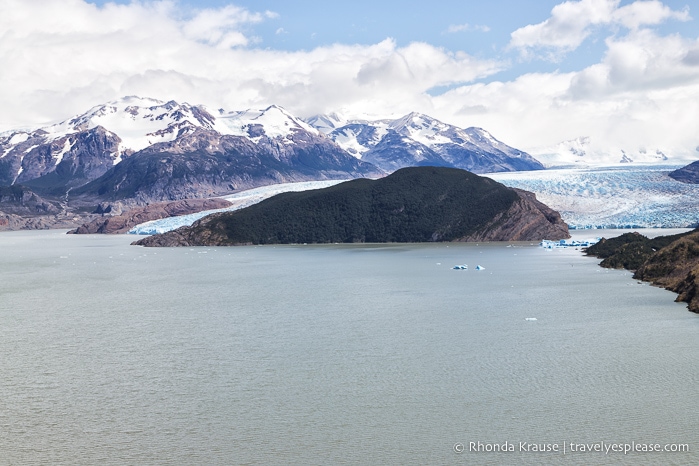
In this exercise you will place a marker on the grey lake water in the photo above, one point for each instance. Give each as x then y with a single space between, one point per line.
335 354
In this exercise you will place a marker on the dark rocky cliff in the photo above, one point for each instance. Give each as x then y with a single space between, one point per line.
688 174
671 262
124 221
676 268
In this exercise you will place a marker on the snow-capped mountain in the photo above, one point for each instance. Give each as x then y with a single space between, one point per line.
146 149
328 122
418 139
86 146
264 146
129 125
583 152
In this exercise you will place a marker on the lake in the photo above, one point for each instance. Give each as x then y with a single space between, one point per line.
335 354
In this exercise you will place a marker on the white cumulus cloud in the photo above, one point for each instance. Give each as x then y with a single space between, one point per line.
454 28
643 95
60 57
572 22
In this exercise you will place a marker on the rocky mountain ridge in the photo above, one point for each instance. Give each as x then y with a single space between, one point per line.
140 151
687 174
417 139
122 222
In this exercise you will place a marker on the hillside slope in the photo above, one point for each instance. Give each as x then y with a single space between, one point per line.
671 262
420 204
687 174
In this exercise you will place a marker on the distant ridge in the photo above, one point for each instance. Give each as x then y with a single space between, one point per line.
687 174
417 139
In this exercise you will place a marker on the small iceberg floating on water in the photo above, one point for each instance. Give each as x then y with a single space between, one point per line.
480 267
548 244
460 267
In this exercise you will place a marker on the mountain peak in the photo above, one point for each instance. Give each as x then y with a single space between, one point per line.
275 121
326 123
419 139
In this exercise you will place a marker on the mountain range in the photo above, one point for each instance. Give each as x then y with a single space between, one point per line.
418 139
586 152
145 150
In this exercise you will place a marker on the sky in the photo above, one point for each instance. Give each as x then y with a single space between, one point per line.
623 74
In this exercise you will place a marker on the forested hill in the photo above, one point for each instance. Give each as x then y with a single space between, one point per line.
418 204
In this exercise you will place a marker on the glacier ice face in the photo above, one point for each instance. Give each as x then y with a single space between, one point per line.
613 196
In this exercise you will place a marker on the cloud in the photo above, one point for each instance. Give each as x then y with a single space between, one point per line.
572 22
568 26
642 13
454 28
642 61
220 27
644 93
61 57
691 58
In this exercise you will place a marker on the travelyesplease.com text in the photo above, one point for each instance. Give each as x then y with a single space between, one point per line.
570 447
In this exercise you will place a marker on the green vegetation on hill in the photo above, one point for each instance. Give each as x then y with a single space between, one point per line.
417 204
412 205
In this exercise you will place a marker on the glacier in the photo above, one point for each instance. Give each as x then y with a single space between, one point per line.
239 200
616 196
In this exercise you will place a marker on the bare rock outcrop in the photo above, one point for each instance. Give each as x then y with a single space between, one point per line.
125 221
527 218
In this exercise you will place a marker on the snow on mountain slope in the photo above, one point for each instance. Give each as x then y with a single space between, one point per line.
327 123
274 121
417 139
89 144
422 129
142 122
621 196
138 122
